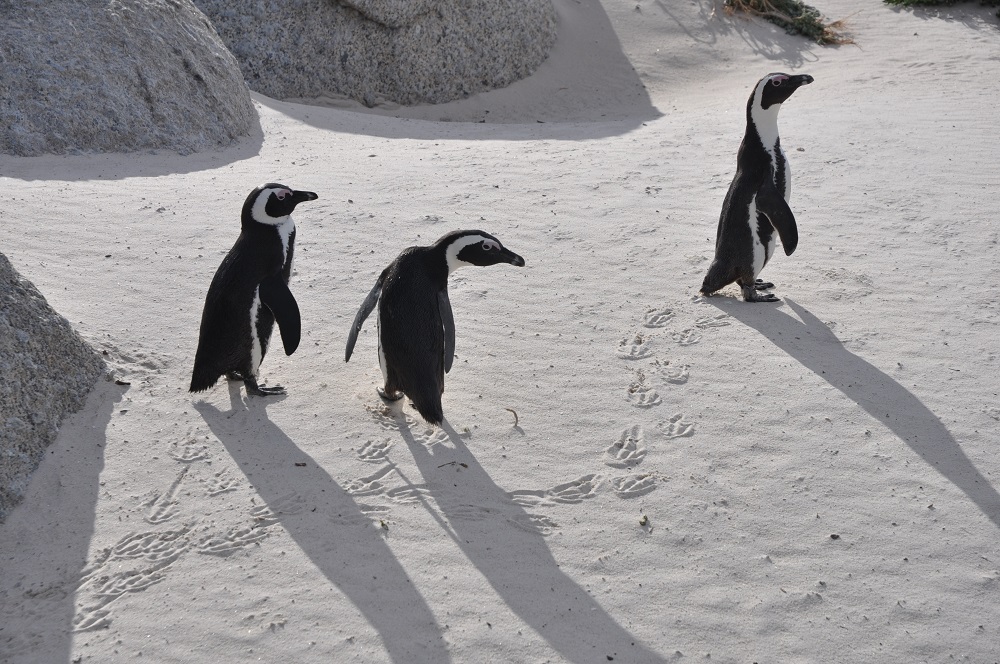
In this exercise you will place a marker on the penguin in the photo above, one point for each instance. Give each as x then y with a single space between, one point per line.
757 202
250 292
416 328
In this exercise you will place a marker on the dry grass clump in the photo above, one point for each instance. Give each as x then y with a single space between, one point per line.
796 17
939 3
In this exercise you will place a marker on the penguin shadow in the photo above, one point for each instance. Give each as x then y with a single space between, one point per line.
45 549
480 518
332 531
815 347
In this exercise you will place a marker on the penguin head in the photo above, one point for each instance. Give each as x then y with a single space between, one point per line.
776 88
271 203
475 248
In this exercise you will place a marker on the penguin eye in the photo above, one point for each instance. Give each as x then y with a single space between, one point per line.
281 194
489 245
778 80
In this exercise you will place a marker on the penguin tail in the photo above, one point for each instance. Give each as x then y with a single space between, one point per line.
429 407
202 380
715 279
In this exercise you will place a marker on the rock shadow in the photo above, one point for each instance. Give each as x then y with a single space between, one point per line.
587 88
497 536
120 165
814 346
334 533
45 540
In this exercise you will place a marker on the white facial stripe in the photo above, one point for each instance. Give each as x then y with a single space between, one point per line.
259 211
456 247
765 119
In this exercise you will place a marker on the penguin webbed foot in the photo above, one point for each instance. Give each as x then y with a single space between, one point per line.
262 390
760 284
389 396
750 294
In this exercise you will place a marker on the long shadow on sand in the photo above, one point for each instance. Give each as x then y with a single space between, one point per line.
497 536
813 345
44 556
337 536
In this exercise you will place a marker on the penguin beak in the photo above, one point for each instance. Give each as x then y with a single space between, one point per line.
301 196
512 258
801 79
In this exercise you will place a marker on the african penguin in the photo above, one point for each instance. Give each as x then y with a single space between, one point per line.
250 292
416 329
756 204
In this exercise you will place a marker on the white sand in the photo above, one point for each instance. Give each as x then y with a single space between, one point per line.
313 528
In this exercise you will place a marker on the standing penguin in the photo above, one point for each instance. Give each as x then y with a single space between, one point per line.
250 292
416 329
756 204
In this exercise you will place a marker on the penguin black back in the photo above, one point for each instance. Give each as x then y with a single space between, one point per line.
756 203
250 291
416 327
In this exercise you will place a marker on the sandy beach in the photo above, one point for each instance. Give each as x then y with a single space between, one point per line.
628 471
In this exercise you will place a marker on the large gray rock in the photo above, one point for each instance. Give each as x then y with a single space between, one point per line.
47 371
403 51
116 76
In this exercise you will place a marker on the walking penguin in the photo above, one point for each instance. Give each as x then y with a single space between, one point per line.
416 329
250 292
757 202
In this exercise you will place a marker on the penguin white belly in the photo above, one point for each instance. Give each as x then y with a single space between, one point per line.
256 353
788 176
381 353
760 252
284 231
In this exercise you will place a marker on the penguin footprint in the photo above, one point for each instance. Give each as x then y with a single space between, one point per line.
686 337
658 317
189 452
713 321
534 523
677 375
232 541
374 451
266 515
92 617
431 437
576 491
627 451
411 493
220 483
634 349
643 396
676 427
633 486
158 547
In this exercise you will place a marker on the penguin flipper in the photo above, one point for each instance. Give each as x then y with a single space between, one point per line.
772 205
448 321
359 319
274 294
